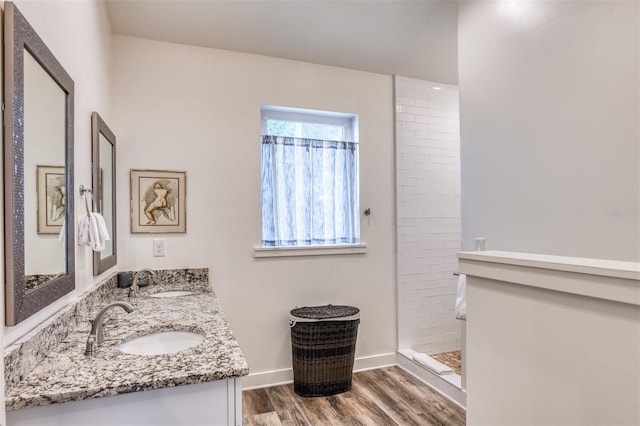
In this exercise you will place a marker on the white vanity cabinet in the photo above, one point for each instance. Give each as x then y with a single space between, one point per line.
217 403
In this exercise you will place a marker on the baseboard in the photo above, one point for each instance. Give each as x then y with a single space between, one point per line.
376 361
280 377
267 378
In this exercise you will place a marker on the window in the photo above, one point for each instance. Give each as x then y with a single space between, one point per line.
309 178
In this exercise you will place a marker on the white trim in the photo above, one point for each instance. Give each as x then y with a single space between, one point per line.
282 377
297 115
569 275
267 379
375 361
234 389
260 252
581 265
231 402
447 385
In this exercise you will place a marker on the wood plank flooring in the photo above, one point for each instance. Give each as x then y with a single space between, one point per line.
384 397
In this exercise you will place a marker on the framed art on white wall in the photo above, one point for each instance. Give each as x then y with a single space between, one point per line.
158 201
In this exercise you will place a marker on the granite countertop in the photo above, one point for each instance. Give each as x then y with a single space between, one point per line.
66 374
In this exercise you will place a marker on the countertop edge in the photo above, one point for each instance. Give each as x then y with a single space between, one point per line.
19 403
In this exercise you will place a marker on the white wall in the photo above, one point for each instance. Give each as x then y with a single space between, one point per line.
428 214
541 357
178 107
79 35
550 126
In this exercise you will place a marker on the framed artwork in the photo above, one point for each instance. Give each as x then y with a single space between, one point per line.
51 198
158 201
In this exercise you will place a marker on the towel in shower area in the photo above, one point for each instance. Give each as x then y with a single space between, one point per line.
461 298
431 364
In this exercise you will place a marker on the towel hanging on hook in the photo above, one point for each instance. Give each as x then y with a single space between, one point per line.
92 227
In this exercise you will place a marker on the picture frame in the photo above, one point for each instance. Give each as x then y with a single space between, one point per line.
158 201
51 199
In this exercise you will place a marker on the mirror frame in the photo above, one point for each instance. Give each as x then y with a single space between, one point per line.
18 36
98 127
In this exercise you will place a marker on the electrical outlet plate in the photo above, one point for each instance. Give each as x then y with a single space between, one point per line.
158 248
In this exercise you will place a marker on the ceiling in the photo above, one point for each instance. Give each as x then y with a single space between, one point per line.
412 38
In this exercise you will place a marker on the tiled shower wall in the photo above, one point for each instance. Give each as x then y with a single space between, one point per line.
428 214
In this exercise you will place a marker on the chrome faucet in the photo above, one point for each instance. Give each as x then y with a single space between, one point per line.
133 290
96 336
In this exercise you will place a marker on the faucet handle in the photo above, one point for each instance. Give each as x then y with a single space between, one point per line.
133 292
91 347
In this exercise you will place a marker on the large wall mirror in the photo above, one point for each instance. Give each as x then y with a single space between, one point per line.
38 172
103 146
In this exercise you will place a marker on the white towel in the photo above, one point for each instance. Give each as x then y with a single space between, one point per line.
92 231
99 232
62 237
461 298
83 230
432 364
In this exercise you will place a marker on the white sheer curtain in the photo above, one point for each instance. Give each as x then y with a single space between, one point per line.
309 192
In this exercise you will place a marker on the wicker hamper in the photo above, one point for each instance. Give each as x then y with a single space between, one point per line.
323 344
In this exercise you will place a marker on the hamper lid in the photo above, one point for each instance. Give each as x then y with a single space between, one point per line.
325 312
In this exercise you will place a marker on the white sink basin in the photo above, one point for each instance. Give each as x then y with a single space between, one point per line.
172 293
162 342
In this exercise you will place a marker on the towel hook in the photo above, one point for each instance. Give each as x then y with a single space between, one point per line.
84 189
88 193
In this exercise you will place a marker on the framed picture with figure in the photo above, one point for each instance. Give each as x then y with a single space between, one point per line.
158 201
51 198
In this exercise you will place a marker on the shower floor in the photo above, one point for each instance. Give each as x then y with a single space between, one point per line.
450 359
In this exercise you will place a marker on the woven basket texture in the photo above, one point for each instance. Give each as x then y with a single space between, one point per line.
323 354
324 312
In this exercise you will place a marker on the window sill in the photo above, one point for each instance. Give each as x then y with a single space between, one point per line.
262 252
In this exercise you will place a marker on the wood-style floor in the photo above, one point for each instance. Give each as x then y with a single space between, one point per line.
387 396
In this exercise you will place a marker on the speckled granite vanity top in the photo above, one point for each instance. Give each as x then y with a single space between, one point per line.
66 374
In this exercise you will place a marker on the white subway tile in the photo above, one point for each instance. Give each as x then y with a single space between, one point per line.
452 168
444 121
444 221
405 133
441 159
428 212
416 126
425 165
404 116
452 152
434 276
455 137
439 128
429 150
415 110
